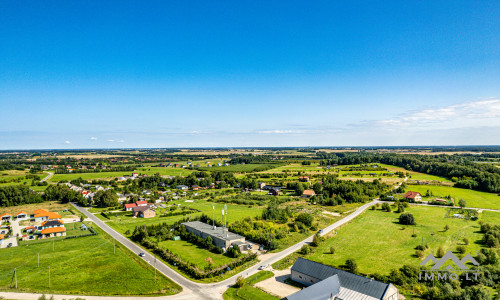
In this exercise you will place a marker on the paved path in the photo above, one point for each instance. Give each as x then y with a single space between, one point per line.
48 176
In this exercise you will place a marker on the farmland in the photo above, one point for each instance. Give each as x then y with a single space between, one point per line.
473 198
79 266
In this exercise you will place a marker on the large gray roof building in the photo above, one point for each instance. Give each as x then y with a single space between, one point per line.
221 237
352 286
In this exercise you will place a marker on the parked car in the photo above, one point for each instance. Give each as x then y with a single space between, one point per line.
261 267
9 245
142 254
320 231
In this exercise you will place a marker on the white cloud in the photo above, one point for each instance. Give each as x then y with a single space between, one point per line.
67 142
121 141
93 138
111 141
279 131
458 114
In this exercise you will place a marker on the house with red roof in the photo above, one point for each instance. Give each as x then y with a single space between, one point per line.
308 193
53 232
129 206
413 196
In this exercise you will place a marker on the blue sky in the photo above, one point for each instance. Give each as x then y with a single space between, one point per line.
110 74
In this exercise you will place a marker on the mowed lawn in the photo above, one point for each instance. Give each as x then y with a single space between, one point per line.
83 265
30 208
195 254
378 244
473 198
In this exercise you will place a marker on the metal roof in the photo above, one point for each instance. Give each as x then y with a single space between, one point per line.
218 232
319 291
348 280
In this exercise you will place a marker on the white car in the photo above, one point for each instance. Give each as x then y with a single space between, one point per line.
261 268
142 254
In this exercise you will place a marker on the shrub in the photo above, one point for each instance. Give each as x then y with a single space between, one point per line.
351 265
306 249
420 254
305 219
332 250
466 241
440 252
316 240
240 281
446 227
420 247
461 249
407 219
386 207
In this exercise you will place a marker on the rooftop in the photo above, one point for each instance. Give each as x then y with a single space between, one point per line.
218 232
54 230
319 291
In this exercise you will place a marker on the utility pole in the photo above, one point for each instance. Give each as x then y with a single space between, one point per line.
114 246
225 215
15 277
49 277
213 216
155 267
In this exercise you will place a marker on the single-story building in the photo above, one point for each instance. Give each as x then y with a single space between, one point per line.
308 193
142 203
275 191
182 187
30 229
51 224
6 217
44 216
53 232
304 178
221 237
340 284
413 196
129 206
22 215
144 212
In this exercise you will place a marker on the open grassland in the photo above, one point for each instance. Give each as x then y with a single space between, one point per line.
239 167
164 171
29 208
415 175
88 176
378 243
248 291
195 254
84 265
473 198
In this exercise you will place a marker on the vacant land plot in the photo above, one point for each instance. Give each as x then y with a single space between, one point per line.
88 176
29 208
473 198
164 171
378 243
195 254
85 265
415 175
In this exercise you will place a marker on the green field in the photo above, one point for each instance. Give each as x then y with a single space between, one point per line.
235 212
473 198
84 265
248 291
195 254
237 168
378 243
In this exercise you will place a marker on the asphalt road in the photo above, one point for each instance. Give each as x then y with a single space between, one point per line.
212 290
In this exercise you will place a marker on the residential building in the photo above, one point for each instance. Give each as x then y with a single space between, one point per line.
304 178
22 215
275 191
221 237
53 232
339 284
6 217
143 212
182 187
413 196
142 203
308 193
129 206
47 215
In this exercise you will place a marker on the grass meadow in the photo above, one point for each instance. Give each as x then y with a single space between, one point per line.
84 265
473 198
378 243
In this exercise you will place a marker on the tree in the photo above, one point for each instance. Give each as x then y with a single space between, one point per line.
351 265
386 207
332 250
316 240
105 199
305 219
299 189
407 219
462 203
446 227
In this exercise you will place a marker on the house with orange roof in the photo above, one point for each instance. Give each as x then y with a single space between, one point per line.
53 232
2 236
6 217
22 215
44 216
308 193
39 211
